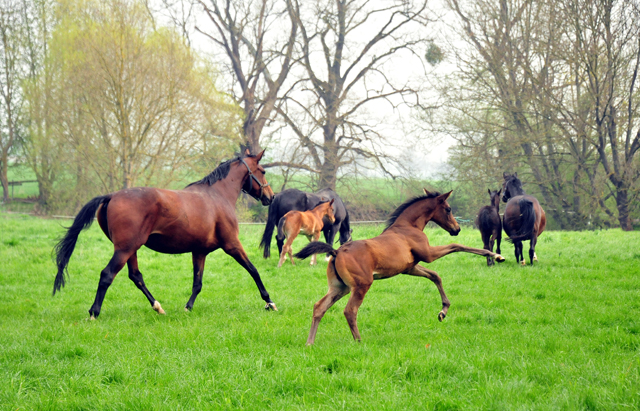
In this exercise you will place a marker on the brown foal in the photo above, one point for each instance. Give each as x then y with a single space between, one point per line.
308 223
398 250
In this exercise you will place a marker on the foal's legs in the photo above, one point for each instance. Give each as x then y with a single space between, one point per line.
314 258
107 276
487 243
235 250
432 253
136 276
358 292
198 271
420 271
337 290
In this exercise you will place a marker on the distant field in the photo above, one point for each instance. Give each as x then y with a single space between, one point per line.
564 334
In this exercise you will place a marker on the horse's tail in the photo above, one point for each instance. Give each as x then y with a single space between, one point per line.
65 246
315 247
272 220
280 236
527 221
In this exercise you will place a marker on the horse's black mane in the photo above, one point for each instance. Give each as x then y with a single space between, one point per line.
514 182
221 172
394 216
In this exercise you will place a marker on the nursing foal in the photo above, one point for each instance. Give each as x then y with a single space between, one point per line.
308 223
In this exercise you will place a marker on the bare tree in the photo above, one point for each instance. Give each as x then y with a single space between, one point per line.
347 49
258 56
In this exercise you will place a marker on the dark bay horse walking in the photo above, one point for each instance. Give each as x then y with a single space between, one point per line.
294 199
490 224
198 219
398 250
523 219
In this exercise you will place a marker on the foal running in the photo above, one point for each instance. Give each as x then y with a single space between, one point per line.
398 250
308 223
490 224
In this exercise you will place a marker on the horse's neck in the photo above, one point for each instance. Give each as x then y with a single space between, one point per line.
230 186
417 215
318 212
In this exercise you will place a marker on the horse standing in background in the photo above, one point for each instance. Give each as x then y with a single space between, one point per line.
309 223
198 219
523 219
398 250
294 199
490 224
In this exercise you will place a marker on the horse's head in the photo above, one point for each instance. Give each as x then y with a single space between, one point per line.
511 187
442 214
495 197
256 184
326 210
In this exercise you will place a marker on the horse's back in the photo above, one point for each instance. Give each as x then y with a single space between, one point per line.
512 213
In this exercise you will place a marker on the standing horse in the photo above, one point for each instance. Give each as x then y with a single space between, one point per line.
308 223
490 225
198 219
398 250
294 199
523 219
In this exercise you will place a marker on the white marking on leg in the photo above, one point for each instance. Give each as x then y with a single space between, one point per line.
499 258
158 308
535 257
523 262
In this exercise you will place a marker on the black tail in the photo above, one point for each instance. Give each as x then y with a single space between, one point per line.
280 236
272 220
527 221
65 246
315 247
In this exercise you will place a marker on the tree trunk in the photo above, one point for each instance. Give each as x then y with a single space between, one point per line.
622 202
4 179
329 169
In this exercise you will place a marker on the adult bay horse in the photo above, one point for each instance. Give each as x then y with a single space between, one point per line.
294 199
198 219
523 219
309 223
490 224
398 250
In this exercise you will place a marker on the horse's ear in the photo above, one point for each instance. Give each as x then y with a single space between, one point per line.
442 198
247 152
505 175
259 156
489 191
331 202
515 174
426 192
499 191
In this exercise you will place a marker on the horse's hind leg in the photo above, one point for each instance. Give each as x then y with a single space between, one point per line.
198 271
107 276
329 232
351 310
420 271
488 245
337 290
532 249
519 252
136 276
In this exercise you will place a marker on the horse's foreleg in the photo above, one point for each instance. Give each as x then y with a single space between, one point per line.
107 276
420 271
432 253
498 240
532 249
236 251
198 271
136 276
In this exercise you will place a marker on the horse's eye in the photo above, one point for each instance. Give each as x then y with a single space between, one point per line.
448 210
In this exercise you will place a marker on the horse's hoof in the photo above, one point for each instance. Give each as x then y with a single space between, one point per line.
523 263
186 309
535 257
92 318
499 258
441 316
271 306
158 308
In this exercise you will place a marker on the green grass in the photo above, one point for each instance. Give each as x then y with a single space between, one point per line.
564 334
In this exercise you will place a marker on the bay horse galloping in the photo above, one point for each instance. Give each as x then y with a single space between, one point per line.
490 224
198 219
398 250
308 223
523 219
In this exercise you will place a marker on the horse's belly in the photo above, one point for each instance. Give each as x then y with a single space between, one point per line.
170 245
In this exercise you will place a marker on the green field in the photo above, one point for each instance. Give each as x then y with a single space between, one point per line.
564 334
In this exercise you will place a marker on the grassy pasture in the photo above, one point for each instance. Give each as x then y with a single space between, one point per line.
564 334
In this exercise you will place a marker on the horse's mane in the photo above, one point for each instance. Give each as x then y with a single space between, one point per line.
221 172
394 216
516 183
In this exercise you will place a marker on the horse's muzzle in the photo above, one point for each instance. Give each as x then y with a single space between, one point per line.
266 200
454 232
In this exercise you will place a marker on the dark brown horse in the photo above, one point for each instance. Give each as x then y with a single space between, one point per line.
523 219
398 250
198 220
490 224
